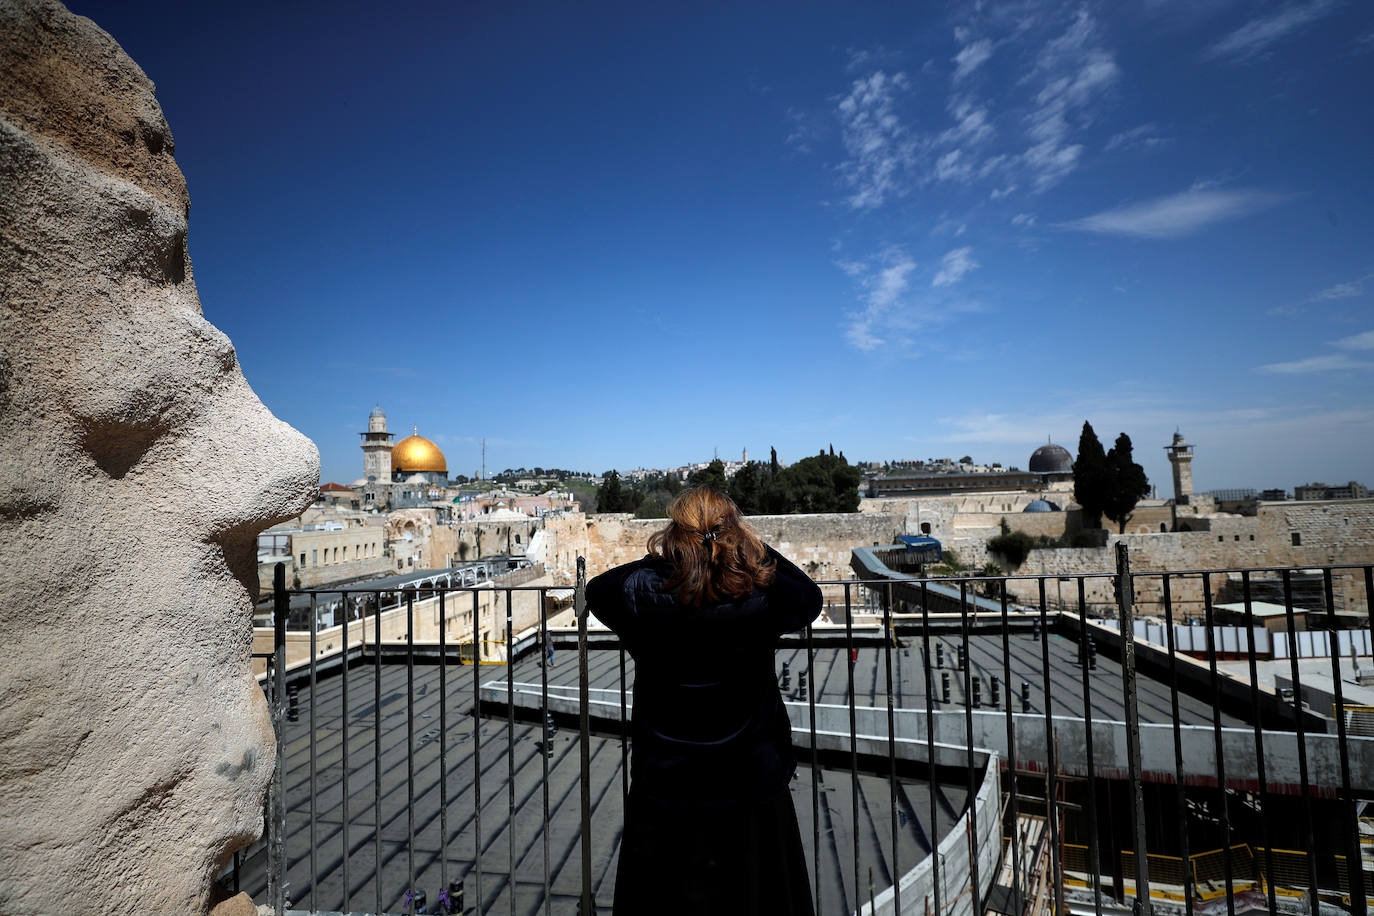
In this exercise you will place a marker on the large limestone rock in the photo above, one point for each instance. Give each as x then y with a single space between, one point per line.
136 466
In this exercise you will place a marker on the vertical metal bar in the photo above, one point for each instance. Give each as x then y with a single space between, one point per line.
889 635
1354 863
968 747
1180 790
377 754
584 737
410 743
344 904
624 738
443 744
1126 611
1300 727
510 751
815 769
276 797
477 751
850 654
546 647
314 865
1259 742
1018 895
1051 758
1216 736
1094 864
932 830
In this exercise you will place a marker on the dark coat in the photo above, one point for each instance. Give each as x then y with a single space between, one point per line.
709 726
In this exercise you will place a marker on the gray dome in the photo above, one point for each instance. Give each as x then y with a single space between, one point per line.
1051 459
1042 505
377 412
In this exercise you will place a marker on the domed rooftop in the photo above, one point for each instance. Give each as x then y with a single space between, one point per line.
377 412
1042 505
1051 459
416 453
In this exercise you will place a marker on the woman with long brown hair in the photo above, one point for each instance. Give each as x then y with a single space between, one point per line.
710 826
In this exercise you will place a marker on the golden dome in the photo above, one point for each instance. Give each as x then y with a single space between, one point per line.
416 453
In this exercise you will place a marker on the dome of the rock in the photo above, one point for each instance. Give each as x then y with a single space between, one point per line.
416 453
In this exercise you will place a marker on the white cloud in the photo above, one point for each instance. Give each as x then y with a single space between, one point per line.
1343 290
953 167
999 193
971 122
1361 341
971 57
1076 73
883 286
954 265
1176 215
1023 219
1258 35
878 147
1146 135
1331 362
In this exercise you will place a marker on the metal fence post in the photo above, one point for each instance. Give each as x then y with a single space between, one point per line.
1125 599
584 729
275 823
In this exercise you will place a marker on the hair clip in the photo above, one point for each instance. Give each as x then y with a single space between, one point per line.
709 536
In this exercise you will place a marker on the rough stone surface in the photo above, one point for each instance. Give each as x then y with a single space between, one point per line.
238 905
136 467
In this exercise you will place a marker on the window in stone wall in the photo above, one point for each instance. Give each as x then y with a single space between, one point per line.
1297 539
314 558
302 558
1220 538
925 527
1252 537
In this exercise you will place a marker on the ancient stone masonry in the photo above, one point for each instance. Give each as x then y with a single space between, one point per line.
136 470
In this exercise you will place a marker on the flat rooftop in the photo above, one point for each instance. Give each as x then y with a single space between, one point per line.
454 838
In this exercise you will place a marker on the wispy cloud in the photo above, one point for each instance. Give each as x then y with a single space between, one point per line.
1347 290
1023 219
1145 136
954 266
971 57
1361 341
1343 290
1256 37
1330 362
883 284
878 147
1177 215
1076 70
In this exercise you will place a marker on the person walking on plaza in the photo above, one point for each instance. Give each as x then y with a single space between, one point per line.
709 826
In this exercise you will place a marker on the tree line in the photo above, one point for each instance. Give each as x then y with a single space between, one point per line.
825 482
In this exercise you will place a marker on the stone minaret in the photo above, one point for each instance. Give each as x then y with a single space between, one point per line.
377 447
1181 457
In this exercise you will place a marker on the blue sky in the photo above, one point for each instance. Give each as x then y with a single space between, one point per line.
628 234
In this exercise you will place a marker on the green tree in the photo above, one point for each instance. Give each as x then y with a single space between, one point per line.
1090 477
610 496
713 475
1126 483
747 488
821 483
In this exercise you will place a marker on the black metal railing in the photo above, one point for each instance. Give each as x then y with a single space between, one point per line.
994 746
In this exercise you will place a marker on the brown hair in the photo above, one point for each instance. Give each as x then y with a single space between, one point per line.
713 553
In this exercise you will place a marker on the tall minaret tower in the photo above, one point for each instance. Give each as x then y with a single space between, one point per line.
377 448
1181 457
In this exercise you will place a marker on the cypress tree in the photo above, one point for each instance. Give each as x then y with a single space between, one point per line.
1126 483
1090 477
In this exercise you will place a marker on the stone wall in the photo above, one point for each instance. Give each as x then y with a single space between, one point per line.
1329 533
819 544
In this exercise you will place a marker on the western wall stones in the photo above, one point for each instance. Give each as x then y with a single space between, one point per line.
136 467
